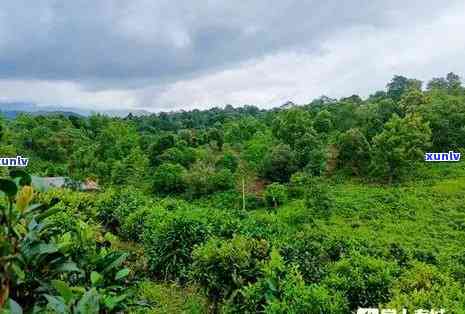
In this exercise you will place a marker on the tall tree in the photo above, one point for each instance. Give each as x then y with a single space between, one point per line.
354 150
401 144
290 125
399 85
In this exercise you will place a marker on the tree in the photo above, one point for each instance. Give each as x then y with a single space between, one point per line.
279 163
353 150
446 117
437 83
401 143
310 153
161 144
412 100
169 179
185 156
400 84
450 84
216 136
275 194
290 125
322 122
454 84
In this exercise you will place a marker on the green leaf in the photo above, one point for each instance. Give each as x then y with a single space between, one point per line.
48 213
63 289
67 267
18 271
8 187
43 248
89 303
95 278
14 307
24 178
116 263
111 302
123 273
57 304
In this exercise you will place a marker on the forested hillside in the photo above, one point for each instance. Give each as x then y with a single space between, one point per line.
315 208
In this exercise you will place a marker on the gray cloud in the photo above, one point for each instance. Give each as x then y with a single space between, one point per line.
161 54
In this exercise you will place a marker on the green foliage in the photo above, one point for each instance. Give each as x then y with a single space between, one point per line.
402 143
446 117
38 257
228 161
275 195
281 289
399 85
169 243
312 250
322 122
183 156
169 179
217 136
342 242
424 286
223 266
169 298
318 196
354 151
115 205
204 179
365 281
279 163
291 125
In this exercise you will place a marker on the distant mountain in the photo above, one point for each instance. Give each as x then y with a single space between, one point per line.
288 105
11 109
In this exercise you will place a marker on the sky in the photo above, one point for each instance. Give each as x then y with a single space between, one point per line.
169 55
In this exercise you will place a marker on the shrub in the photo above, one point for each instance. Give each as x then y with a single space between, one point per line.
313 249
318 197
135 223
365 281
424 286
228 161
281 289
204 180
223 266
169 243
169 298
279 163
298 183
169 179
114 206
275 194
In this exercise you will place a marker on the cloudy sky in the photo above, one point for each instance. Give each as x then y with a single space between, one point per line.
168 55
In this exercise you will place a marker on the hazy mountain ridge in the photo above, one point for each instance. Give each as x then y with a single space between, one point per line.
12 109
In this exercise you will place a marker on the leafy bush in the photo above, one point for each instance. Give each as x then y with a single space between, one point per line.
223 266
114 205
203 180
365 281
169 298
279 163
281 289
424 286
39 259
228 161
169 179
318 196
134 224
275 195
169 243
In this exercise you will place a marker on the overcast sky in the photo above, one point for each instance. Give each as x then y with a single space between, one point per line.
168 55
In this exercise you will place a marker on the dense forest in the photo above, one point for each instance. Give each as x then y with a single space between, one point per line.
315 208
